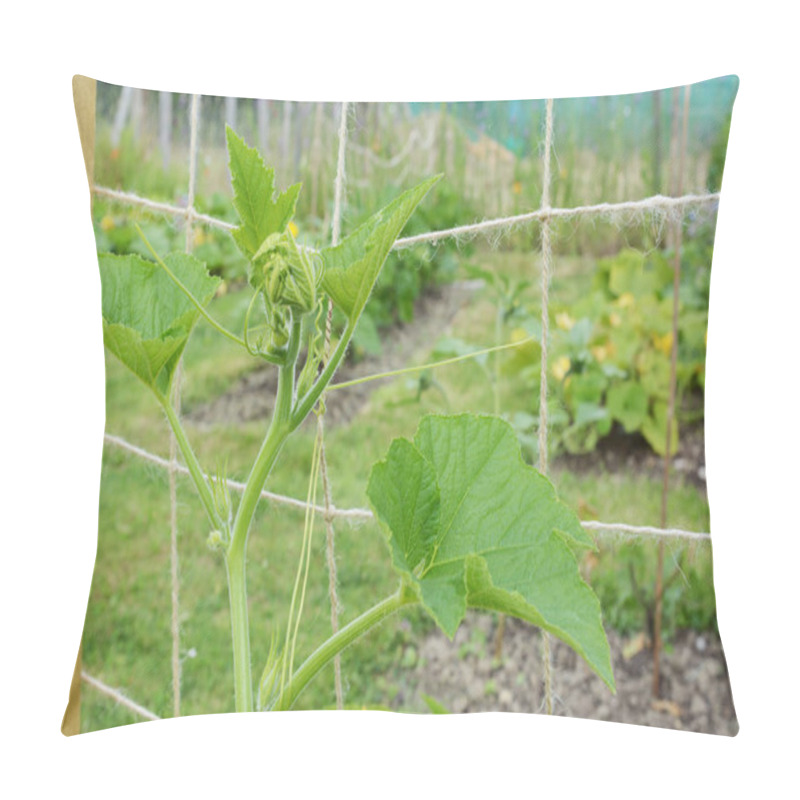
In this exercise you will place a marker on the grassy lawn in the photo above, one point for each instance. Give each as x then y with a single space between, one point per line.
127 635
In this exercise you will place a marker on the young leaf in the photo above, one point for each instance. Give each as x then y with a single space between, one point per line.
253 197
469 524
352 267
147 319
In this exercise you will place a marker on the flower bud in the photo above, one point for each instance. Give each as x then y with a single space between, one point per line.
288 275
215 540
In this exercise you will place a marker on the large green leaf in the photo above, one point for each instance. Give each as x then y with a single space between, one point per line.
469 524
627 403
147 319
352 267
654 429
260 212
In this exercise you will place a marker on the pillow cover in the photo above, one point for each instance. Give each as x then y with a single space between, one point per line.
515 517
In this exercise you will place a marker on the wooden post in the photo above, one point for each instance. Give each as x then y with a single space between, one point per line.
655 186
316 160
84 93
123 112
137 114
680 147
300 144
230 111
165 127
286 135
262 112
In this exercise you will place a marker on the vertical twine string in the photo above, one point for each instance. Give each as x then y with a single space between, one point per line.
336 224
673 367
547 266
316 152
330 533
173 446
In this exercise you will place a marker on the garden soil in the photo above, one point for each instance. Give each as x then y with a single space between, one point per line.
464 676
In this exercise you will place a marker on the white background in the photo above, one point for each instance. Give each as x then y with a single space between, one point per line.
52 387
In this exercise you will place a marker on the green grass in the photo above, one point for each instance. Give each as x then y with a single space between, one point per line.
127 640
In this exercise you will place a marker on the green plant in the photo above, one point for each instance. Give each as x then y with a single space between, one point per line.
610 350
467 522
624 583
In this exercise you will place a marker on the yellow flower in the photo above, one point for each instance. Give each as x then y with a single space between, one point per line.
200 237
293 228
614 319
561 368
107 223
564 321
516 187
600 352
626 300
663 343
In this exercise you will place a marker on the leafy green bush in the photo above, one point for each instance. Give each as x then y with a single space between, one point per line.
610 350
624 580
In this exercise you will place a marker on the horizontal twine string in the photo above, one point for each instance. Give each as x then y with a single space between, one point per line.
118 696
128 198
353 513
658 204
602 528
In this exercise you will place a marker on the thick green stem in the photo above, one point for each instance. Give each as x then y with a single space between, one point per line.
192 463
236 555
240 633
339 641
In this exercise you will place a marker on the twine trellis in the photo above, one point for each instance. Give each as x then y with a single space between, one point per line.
662 208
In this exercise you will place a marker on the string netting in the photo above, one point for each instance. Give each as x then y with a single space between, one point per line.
658 209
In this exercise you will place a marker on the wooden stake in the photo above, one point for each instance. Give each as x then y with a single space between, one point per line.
165 127
678 241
